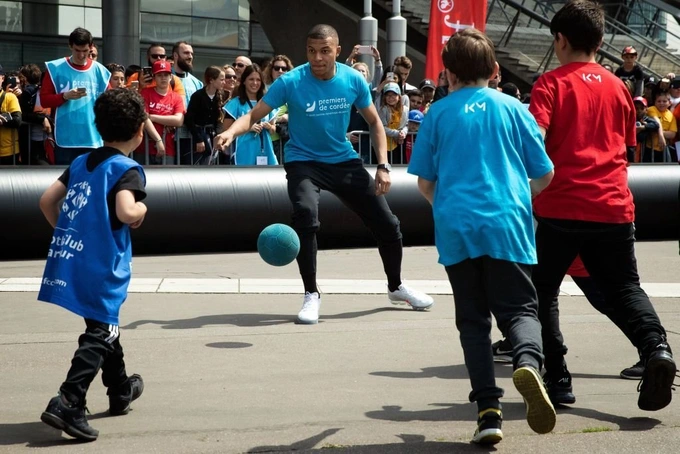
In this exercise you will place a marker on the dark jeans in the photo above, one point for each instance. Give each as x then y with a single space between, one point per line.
98 348
485 286
65 156
352 184
608 253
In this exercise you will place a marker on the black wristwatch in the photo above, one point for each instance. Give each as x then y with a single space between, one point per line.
385 167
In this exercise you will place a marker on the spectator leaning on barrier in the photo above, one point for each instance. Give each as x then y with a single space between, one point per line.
427 88
70 88
36 120
154 53
166 112
646 128
10 120
415 118
205 113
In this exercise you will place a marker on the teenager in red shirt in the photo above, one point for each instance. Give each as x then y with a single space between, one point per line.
588 208
166 112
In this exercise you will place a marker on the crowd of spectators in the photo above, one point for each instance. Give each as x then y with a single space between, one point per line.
45 115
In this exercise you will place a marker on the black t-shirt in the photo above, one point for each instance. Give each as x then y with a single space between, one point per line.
131 180
635 74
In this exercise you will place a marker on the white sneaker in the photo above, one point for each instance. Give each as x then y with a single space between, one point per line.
309 314
416 299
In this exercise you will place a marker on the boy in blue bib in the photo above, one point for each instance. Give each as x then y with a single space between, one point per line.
92 207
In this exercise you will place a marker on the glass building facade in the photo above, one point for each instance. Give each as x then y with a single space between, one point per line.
35 31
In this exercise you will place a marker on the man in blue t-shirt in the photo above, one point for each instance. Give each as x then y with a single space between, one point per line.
319 96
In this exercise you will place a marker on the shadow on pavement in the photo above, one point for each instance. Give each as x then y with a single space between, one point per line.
412 443
34 434
629 424
248 320
453 372
511 411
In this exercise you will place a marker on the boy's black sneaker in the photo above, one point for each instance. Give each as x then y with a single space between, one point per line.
502 351
70 419
558 385
657 379
120 404
489 423
633 372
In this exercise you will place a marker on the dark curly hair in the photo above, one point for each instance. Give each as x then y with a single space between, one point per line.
118 114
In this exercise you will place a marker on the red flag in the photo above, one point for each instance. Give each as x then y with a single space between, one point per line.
447 17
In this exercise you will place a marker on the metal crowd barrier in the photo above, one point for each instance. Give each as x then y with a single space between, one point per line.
185 153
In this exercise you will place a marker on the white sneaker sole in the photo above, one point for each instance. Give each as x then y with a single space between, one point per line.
299 321
415 308
488 437
540 411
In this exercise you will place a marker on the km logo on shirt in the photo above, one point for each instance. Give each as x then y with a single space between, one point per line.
475 105
591 77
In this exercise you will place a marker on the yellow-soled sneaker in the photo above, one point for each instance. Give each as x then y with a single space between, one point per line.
540 411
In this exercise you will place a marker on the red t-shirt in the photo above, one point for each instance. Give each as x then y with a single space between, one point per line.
577 268
589 117
157 104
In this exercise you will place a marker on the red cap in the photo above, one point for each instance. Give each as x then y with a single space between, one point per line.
629 50
161 66
640 99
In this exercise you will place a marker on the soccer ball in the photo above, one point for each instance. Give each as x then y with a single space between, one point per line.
278 244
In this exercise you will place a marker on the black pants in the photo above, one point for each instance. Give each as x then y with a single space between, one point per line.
98 348
608 253
353 185
485 286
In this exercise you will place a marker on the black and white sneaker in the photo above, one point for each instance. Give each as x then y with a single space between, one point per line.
558 385
656 385
633 372
488 427
502 351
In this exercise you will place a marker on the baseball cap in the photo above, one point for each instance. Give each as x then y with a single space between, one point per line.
391 86
161 66
675 83
629 50
641 100
415 116
651 80
427 83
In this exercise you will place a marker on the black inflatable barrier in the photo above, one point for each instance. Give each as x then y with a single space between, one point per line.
223 209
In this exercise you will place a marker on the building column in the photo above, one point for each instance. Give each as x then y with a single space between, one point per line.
120 32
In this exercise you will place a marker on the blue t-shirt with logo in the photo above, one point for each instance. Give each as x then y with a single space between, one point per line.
481 147
319 111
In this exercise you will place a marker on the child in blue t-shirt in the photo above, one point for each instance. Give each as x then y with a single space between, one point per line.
92 207
476 151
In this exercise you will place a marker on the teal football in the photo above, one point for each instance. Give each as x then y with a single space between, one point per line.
278 244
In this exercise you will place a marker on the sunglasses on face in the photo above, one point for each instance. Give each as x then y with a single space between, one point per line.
230 76
159 56
280 68
239 65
